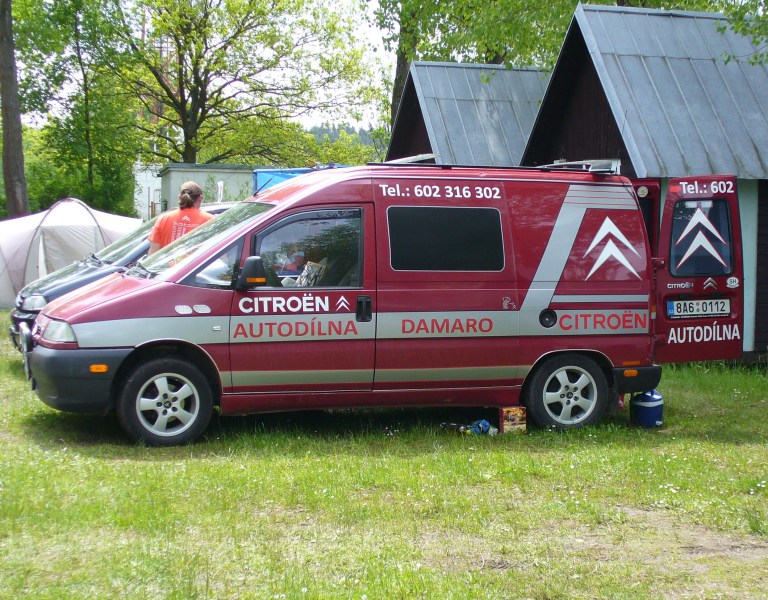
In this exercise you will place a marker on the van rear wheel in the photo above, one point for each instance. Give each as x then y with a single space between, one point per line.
165 402
567 391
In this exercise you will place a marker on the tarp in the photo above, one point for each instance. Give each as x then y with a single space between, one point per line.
38 244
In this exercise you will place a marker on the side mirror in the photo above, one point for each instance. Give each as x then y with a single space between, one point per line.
252 274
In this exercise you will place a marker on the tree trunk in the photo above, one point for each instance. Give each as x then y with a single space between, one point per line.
406 48
13 150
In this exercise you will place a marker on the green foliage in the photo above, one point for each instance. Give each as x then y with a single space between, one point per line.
88 143
339 147
206 70
750 18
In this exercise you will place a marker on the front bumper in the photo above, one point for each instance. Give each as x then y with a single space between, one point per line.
17 318
62 379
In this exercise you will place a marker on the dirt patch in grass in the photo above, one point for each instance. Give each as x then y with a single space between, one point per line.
661 557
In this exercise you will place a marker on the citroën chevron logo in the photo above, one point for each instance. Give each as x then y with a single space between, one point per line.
611 251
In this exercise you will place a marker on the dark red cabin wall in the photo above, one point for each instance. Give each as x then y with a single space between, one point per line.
576 123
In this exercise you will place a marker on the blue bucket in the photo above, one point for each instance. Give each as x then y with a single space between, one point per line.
647 409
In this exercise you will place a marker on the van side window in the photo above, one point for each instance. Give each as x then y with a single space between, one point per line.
316 249
219 272
701 238
429 238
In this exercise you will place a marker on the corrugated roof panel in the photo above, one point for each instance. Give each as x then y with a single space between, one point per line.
441 144
496 143
478 114
685 108
467 127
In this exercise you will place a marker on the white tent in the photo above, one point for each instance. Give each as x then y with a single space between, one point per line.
33 246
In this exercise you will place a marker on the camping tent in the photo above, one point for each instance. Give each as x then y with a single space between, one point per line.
38 244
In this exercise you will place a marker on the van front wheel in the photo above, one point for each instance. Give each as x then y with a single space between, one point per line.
567 391
165 402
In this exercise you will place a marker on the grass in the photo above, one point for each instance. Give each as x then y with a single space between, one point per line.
385 504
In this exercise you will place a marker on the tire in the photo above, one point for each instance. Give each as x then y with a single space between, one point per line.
566 392
165 402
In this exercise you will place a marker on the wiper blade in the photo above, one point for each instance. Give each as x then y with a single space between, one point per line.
93 258
140 270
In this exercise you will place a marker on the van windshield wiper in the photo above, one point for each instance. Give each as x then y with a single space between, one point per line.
139 270
95 259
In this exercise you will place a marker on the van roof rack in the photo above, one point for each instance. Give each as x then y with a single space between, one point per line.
603 165
411 159
606 166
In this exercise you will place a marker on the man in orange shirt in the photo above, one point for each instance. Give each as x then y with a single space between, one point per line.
175 223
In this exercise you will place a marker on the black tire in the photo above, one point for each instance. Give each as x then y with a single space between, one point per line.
165 402
567 391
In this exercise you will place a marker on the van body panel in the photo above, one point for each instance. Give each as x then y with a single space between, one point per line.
408 286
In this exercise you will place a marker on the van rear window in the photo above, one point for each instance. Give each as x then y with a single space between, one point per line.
427 238
701 238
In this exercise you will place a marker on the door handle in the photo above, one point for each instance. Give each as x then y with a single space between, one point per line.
364 313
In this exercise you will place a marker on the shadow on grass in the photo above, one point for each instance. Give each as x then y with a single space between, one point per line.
417 429
99 432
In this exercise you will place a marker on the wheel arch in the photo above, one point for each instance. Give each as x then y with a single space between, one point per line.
160 349
602 361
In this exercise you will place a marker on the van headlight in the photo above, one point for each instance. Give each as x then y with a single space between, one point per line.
59 332
34 302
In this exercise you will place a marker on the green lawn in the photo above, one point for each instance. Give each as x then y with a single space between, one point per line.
385 504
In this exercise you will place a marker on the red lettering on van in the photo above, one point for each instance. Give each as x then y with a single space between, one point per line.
602 321
446 326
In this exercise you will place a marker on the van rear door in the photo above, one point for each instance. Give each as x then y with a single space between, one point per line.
699 276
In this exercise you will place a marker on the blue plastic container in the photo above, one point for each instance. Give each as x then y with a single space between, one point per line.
647 409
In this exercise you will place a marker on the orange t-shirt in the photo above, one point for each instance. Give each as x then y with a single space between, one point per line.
177 222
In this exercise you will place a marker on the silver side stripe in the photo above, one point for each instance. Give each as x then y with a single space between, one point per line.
454 374
272 378
300 327
135 332
600 299
609 197
405 325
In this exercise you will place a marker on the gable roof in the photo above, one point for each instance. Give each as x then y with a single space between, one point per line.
467 113
680 106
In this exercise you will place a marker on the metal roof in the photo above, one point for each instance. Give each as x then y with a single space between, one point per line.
681 104
473 114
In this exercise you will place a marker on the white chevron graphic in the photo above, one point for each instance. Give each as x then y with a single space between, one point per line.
699 218
342 303
611 250
700 240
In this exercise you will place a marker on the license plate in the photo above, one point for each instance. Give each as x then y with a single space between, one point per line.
678 309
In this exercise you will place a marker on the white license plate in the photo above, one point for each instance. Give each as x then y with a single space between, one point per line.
719 307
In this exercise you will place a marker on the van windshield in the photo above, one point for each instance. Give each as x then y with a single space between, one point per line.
116 250
198 240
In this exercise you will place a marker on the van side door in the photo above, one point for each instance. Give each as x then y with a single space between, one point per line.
311 327
699 278
447 309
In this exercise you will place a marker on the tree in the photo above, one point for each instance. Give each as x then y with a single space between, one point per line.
750 18
512 32
517 33
89 127
13 154
206 69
